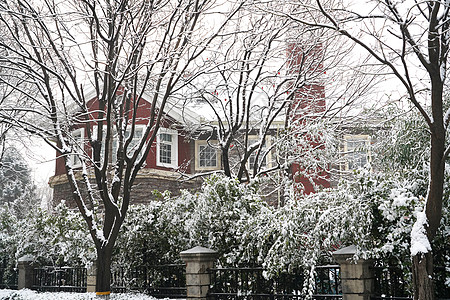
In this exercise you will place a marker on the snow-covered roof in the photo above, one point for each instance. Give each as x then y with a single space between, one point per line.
178 111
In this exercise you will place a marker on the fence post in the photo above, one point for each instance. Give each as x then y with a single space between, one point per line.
91 279
198 279
356 277
25 265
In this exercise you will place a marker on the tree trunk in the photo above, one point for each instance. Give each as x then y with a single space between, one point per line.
103 280
422 276
423 262
225 161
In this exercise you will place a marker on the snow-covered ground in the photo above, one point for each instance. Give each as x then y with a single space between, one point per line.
32 295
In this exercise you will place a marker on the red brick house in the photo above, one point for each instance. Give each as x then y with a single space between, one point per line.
171 153
175 151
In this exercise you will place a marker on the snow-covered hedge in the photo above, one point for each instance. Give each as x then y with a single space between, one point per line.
217 217
374 212
59 237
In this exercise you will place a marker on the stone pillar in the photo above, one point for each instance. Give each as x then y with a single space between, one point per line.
25 265
198 260
356 277
91 279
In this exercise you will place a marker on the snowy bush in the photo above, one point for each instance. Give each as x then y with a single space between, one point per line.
145 239
17 191
216 217
395 203
232 219
374 212
52 238
403 152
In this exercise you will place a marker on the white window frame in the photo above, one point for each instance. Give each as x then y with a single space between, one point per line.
138 127
78 145
356 137
200 143
135 141
268 157
174 148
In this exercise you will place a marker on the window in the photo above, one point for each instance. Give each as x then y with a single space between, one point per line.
167 148
77 147
262 160
357 151
138 133
206 155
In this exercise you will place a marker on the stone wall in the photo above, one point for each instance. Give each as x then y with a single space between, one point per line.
142 191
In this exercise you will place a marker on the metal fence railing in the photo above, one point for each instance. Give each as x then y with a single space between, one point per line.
328 281
249 283
393 283
160 281
63 279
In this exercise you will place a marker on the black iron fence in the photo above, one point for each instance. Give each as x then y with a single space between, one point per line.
328 281
390 282
442 282
250 283
394 283
64 279
8 276
159 281
227 283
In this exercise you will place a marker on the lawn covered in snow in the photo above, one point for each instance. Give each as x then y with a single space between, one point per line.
33 295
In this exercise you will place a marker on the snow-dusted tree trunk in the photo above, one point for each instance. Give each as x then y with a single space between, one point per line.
85 66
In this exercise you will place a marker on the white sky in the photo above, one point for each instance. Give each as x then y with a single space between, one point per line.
41 159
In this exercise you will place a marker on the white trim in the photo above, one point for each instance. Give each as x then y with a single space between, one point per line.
198 144
113 154
356 137
268 157
174 148
78 144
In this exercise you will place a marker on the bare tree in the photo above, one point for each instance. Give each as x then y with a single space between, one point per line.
272 107
120 50
410 39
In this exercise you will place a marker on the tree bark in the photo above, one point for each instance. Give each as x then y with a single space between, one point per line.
103 280
422 276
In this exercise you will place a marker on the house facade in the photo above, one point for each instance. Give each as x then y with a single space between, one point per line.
177 155
170 155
